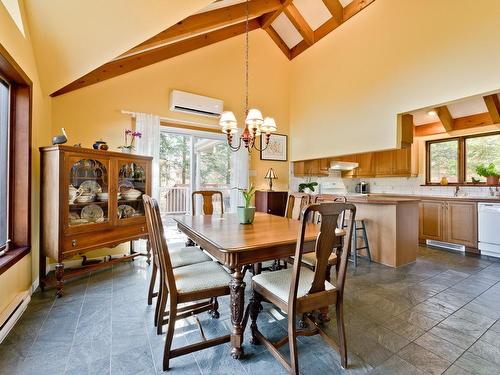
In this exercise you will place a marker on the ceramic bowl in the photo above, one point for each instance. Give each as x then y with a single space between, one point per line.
102 196
85 198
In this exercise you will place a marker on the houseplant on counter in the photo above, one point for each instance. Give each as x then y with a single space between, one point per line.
490 172
246 213
308 186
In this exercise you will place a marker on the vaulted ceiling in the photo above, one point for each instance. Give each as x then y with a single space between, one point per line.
294 25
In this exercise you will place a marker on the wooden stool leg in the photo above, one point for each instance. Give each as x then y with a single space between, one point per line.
365 240
170 335
354 250
152 284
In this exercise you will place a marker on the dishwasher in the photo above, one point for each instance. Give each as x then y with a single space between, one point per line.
488 215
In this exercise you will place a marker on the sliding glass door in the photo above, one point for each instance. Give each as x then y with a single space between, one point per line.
194 160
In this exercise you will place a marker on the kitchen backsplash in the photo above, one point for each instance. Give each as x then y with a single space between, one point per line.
401 185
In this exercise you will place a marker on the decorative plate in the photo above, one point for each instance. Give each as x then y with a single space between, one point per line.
124 185
92 213
125 211
90 186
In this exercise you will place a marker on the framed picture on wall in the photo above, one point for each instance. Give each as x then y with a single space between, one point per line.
277 148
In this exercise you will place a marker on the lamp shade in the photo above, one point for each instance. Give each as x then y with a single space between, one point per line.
269 125
228 122
270 174
254 119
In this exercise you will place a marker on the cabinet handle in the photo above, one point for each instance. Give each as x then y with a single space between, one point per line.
142 229
73 243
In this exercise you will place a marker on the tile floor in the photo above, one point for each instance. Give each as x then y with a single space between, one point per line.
438 315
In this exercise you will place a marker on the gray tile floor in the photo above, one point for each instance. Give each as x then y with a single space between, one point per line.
438 315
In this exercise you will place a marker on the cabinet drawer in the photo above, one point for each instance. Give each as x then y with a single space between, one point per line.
94 240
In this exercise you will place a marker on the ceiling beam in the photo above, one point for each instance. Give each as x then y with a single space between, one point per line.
336 10
300 23
355 7
268 19
118 67
204 22
445 117
460 123
493 106
279 42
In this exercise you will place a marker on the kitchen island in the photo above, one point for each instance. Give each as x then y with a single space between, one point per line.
392 227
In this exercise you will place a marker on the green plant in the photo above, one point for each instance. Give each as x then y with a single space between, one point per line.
487 171
247 195
307 185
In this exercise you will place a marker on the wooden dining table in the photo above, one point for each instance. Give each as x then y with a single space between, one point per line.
236 245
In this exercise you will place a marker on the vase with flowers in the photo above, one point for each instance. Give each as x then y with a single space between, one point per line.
130 137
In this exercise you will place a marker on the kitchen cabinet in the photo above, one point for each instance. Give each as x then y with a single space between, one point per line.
449 221
366 165
384 163
316 167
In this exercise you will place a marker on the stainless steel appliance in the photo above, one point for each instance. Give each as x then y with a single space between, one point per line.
362 187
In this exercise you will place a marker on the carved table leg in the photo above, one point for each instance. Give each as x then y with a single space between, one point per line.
148 252
59 279
237 288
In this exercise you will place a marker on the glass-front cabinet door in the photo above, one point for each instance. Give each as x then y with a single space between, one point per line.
88 192
132 184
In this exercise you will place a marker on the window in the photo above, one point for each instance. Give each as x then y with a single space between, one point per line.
457 158
4 164
15 161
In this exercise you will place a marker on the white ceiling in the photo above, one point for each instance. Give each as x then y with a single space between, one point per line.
314 12
286 30
463 108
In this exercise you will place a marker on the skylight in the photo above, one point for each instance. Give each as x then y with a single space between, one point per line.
14 10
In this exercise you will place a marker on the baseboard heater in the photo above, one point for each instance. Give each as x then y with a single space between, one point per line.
446 245
12 313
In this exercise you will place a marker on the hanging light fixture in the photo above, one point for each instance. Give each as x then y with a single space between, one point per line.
255 124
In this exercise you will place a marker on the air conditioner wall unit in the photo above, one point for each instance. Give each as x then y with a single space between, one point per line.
181 101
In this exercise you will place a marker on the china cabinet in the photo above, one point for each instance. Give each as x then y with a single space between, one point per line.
90 199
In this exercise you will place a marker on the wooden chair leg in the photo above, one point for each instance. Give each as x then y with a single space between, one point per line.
255 309
341 332
152 284
170 335
161 311
158 302
292 343
328 273
214 311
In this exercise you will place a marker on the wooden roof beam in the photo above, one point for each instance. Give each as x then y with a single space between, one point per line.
355 7
493 106
300 23
268 19
460 123
445 117
336 9
118 67
204 22
279 42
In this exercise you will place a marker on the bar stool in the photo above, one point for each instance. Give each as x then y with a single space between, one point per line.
359 225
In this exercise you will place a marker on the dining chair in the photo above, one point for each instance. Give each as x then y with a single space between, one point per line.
302 291
309 259
196 285
295 203
208 201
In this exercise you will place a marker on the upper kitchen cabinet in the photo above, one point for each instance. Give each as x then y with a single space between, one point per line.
316 167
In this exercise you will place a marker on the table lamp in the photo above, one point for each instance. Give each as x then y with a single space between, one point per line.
271 176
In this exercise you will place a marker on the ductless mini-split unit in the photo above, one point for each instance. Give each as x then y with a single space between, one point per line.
181 101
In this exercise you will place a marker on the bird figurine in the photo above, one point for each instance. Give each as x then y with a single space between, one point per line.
60 139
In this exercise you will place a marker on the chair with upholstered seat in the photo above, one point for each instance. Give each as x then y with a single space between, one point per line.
196 285
208 201
303 291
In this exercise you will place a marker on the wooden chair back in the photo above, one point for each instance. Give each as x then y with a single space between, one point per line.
208 201
325 242
296 202
159 243
324 198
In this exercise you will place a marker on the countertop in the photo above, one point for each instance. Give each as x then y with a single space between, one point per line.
381 199
430 197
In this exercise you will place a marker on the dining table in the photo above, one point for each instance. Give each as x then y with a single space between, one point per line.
238 246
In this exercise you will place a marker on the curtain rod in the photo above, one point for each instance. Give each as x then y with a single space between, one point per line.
175 121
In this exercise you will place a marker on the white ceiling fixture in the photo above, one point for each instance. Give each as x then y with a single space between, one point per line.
255 124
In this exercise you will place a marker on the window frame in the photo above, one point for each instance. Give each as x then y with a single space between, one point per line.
19 189
461 158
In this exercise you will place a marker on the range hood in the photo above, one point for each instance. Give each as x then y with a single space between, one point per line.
342 165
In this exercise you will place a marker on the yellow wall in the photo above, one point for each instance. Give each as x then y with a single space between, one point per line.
394 56
217 71
71 38
19 277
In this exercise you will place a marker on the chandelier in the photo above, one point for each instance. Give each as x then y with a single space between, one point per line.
255 124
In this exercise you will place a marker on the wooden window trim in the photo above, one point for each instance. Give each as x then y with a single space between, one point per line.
461 159
21 89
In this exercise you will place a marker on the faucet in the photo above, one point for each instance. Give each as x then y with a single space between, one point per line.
457 189
492 192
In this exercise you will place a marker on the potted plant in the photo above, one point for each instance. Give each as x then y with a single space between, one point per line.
308 186
128 147
490 172
246 213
